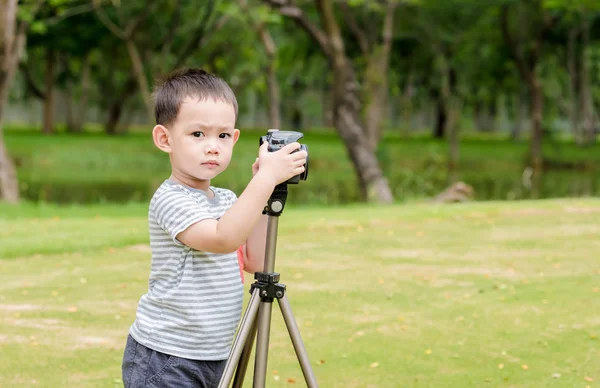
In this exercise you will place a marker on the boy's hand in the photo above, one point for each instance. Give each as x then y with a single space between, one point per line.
255 167
280 165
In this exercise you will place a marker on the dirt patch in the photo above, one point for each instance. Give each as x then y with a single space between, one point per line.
20 307
581 210
42 324
140 248
13 339
404 253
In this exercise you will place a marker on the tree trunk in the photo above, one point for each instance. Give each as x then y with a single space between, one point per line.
536 127
451 101
272 83
347 107
85 85
11 46
519 114
69 101
573 84
586 101
115 108
439 131
347 111
140 75
346 117
48 119
376 81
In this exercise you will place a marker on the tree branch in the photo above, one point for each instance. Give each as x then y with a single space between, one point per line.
170 35
388 26
199 34
363 42
286 8
108 23
513 45
31 85
76 10
134 23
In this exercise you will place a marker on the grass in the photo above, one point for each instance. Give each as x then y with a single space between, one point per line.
484 294
93 168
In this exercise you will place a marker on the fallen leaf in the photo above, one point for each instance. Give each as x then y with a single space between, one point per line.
428 351
525 367
72 309
556 375
321 362
500 366
588 379
374 365
276 378
275 372
291 380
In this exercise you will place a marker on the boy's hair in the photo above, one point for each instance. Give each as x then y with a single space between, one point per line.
175 87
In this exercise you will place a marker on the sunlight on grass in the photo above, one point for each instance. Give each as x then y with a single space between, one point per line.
493 294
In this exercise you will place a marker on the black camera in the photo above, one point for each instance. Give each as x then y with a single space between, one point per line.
278 139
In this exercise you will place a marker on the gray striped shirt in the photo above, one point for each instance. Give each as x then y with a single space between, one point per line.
194 298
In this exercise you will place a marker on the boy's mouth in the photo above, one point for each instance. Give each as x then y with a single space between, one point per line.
212 163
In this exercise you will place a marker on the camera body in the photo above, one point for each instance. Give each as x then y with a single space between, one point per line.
278 139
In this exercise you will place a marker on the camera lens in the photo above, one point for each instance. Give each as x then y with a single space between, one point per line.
304 175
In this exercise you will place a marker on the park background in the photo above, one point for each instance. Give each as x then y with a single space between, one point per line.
406 106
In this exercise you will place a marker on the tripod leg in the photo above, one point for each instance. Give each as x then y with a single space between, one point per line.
245 327
240 372
290 322
262 345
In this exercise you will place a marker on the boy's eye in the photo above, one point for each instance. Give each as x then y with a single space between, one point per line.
224 135
197 134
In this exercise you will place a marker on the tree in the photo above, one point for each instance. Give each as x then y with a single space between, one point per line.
12 43
347 105
524 38
259 26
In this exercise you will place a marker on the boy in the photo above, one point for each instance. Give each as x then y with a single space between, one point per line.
186 322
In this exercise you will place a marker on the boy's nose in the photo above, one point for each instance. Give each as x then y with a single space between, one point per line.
212 147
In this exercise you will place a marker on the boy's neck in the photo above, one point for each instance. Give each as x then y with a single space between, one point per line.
198 185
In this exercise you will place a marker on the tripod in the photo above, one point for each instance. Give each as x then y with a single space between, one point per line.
266 289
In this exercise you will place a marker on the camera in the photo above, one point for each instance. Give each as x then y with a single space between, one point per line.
278 139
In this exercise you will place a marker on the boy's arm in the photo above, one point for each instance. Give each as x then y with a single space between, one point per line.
254 259
231 231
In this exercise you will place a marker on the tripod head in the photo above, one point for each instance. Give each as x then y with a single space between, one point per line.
276 202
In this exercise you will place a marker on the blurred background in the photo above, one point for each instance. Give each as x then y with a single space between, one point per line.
398 99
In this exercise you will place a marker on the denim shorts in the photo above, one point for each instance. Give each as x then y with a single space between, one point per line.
144 367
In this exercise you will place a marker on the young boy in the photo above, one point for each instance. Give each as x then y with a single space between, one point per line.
186 322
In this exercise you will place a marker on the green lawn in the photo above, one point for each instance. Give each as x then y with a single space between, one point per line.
417 295
93 168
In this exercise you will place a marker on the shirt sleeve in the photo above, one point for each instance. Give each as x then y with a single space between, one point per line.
175 211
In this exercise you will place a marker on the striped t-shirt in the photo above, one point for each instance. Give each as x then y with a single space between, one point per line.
194 298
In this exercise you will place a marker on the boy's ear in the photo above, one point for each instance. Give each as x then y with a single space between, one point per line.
236 135
161 137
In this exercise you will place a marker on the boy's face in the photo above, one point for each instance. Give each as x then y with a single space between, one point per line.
201 141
